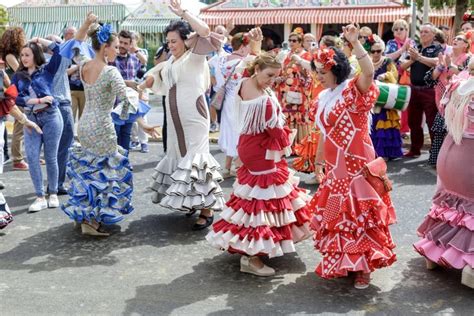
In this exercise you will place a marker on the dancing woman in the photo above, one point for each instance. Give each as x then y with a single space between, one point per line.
101 180
186 179
350 218
34 80
447 233
266 214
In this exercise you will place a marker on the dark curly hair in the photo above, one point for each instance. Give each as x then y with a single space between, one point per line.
38 58
181 27
12 41
342 69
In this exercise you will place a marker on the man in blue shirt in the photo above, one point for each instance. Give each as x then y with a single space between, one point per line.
128 65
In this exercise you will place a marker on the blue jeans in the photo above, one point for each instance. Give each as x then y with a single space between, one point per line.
51 123
66 140
124 133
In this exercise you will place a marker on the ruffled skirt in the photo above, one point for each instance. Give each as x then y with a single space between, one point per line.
385 134
191 184
266 214
101 186
351 227
448 230
306 152
5 214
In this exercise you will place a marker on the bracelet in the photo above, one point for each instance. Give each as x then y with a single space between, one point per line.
39 100
364 55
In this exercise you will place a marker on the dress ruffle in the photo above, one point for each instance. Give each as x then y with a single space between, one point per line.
191 184
101 186
386 135
306 152
260 223
448 231
143 109
351 230
5 214
70 48
279 146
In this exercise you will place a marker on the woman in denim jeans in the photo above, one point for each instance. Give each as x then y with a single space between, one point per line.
34 79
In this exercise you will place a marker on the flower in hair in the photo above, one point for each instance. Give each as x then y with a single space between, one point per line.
104 32
324 59
245 40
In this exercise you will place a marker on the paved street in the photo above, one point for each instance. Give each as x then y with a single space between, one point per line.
154 264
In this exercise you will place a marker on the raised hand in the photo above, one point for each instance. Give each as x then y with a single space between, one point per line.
91 18
351 32
151 130
175 7
256 34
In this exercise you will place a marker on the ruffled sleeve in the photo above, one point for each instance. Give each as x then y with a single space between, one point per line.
158 85
204 45
280 137
120 90
360 102
73 47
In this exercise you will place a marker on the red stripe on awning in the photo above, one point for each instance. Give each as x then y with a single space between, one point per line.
318 16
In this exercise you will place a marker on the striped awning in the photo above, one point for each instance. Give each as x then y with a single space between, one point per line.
306 16
372 14
146 26
42 21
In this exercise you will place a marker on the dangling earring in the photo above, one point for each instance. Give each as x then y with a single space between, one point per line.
106 60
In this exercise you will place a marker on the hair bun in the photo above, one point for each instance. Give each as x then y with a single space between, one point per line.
93 29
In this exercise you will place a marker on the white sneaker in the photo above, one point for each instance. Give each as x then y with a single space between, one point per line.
246 266
53 201
38 205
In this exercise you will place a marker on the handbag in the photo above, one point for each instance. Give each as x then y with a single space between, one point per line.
7 101
294 97
217 99
375 172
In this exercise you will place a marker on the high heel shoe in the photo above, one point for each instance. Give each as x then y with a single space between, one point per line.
430 265
89 230
246 266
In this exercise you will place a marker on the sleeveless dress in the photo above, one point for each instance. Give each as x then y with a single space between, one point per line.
101 180
187 178
447 233
350 220
267 212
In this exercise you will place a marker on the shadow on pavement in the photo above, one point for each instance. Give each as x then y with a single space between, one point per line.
64 246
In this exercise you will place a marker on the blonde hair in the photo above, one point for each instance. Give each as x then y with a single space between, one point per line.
399 23
263 61
379 41
468 41
365 31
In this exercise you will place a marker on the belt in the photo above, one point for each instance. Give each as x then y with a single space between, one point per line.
28 111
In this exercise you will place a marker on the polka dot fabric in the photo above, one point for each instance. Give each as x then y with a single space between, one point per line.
350 220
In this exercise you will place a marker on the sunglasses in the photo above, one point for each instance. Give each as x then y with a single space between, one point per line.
400 29
293 41
364 37
376 51
460 39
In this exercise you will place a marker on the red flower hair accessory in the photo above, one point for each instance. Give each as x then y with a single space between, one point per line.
245 40
324 59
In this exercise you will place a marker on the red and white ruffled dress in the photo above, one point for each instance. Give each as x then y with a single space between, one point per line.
350 219
267 212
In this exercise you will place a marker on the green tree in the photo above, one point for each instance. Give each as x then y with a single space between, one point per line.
3 19
461 7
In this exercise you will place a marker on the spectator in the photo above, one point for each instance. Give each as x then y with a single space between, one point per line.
13 39
308 40
422 101
466 26
69 33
